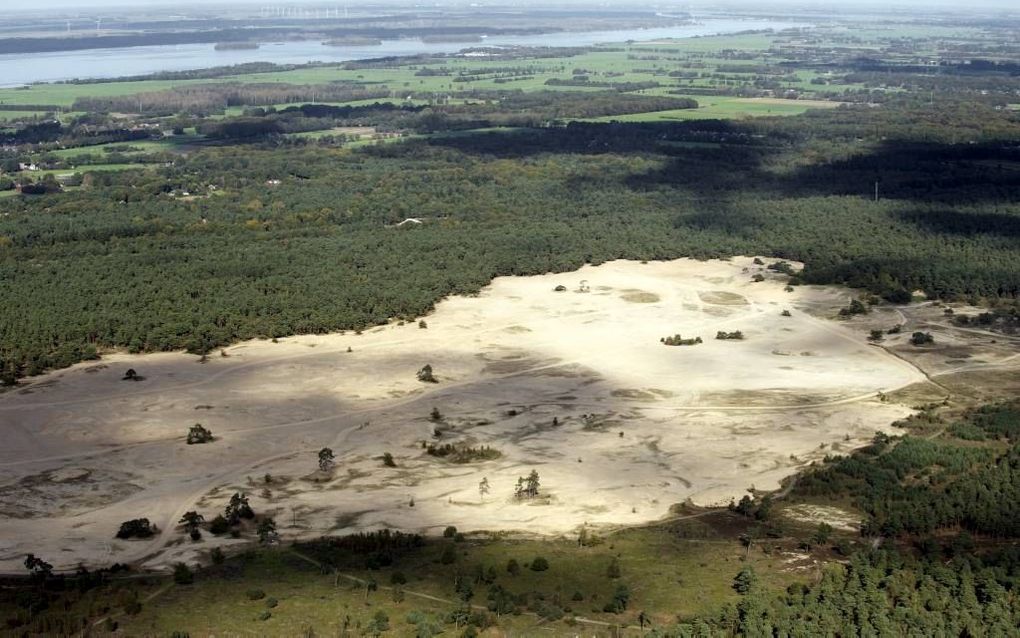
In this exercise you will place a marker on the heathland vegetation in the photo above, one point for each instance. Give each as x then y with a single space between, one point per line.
938 534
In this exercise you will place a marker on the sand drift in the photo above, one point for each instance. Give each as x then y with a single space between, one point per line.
575 384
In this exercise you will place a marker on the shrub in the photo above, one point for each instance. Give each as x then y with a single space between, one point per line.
618 603
613 571
425 375
380 623
256 594
217 556
448 556
183 574
219 525
398 578
549 611
450 532
512 567
733 336
744 580
266 615
540 564
272 602
136 528
921 338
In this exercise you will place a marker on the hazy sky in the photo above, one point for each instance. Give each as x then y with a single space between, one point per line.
36 5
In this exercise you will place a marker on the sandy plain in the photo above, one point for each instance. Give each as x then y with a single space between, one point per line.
639 426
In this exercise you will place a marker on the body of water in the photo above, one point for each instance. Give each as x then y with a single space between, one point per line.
20 69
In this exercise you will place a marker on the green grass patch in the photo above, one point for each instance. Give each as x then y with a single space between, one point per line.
719 107
7 116
668 574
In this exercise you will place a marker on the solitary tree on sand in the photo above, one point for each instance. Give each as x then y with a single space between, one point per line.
326 459
191 520
425 375
267 531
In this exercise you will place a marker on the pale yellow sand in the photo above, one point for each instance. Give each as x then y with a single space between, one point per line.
84 450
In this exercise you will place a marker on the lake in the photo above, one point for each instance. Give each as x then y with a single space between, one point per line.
19 69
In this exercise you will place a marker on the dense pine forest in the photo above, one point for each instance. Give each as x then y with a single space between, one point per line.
276 235
941 497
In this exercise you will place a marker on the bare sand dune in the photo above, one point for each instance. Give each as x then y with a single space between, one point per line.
573 384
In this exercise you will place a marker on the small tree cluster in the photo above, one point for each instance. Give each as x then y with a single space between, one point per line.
752 508
237 509
191 521
733 336
198 434
136 528
677 340
856 307
38 567
921 338
784 267
527 487
463 454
